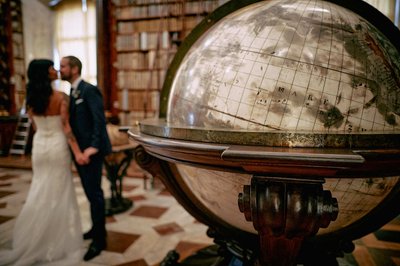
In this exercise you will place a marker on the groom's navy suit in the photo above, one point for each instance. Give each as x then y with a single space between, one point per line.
88 124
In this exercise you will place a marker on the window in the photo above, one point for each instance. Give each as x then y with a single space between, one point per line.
76 35
389 8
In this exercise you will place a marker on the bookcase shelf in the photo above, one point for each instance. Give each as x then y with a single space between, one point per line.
144 37
12 62
12 70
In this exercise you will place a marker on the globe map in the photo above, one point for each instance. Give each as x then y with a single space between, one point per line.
297 66
289 65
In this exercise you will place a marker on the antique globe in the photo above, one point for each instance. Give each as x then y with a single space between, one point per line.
279 128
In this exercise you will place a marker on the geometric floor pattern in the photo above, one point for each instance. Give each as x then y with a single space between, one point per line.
156 224
141 236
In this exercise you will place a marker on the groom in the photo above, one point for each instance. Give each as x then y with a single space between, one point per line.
88 124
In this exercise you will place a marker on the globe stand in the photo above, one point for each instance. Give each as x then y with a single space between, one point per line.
228 252
284 213
285 201
212 255
225 251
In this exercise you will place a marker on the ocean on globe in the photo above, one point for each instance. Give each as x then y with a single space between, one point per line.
296 66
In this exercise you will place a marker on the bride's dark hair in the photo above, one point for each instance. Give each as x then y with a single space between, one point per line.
38 89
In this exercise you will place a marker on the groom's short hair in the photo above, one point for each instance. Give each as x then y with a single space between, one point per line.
75 62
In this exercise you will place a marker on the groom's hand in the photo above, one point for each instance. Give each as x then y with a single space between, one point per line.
90 151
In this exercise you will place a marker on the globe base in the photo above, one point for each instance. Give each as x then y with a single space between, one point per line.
229 253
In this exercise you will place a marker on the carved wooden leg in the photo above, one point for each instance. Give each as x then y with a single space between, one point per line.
284 212
116 170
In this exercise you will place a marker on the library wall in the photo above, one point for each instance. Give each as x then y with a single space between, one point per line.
146 35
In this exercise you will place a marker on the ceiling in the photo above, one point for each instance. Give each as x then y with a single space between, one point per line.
50 3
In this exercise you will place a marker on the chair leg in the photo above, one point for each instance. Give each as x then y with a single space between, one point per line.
148 177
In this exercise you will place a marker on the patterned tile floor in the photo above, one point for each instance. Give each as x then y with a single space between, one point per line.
156 224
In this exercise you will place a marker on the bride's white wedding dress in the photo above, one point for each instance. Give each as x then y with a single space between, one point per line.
48 229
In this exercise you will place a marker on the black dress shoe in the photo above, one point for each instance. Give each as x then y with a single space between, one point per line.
88 235
94 250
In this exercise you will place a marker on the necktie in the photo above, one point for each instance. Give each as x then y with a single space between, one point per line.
72 92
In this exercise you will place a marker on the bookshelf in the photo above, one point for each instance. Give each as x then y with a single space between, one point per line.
12 70
12 63
144 37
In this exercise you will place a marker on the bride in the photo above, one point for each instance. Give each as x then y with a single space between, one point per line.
48 229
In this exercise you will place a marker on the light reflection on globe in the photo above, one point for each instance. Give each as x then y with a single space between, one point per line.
293 66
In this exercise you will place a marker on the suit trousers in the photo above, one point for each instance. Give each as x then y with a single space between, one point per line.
91 175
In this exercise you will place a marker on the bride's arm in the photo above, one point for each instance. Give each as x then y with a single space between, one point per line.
30 115
79 157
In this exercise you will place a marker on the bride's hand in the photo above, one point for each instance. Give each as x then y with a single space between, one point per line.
81 159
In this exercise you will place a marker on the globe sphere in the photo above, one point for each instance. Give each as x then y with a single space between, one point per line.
289 65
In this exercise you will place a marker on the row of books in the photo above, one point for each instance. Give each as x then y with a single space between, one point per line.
152 60
18 45
138 100
141 80
144 41
166 10
160 2
171 24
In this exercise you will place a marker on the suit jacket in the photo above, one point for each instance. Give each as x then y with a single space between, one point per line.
87 118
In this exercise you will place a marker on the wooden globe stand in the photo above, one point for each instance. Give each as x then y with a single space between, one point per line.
285 201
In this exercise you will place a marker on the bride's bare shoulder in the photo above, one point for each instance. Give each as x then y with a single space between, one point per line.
61 96
57 100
